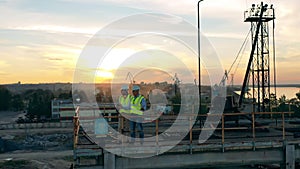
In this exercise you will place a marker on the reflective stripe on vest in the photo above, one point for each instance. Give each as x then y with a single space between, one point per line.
136 105
125 102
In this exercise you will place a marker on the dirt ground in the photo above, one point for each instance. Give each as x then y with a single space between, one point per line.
37 160
59 156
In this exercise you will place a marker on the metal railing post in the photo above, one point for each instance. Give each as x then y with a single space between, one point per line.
223 133
76 127
156 131
283 127
191 130
253 130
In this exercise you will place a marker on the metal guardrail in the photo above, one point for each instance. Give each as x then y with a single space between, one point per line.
221 144
76 127
158 121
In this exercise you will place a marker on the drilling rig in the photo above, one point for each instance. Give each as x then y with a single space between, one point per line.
258 68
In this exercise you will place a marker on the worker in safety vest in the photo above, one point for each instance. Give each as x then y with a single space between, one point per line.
124 108
138 106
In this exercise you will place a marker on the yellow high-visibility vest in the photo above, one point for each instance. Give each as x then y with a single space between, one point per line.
125 102
136 105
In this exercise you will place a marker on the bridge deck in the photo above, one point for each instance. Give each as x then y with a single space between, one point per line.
273 141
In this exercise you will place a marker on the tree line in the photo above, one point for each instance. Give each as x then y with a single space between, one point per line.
35 103
289 105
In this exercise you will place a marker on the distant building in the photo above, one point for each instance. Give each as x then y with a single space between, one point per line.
64 110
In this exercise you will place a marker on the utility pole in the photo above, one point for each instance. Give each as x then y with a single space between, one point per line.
199 57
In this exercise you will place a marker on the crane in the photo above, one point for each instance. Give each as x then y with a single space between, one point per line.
130 77
176 82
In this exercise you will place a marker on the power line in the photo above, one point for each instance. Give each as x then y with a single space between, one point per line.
241 57
241 49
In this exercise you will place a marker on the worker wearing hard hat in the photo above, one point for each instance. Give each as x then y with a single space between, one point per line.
138 106
124 108
124 100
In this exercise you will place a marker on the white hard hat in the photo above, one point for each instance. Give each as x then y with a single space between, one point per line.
124 87
135 87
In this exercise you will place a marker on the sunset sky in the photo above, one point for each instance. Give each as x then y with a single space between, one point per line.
42 40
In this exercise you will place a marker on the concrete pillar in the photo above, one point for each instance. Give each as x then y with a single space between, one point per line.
97 160
77 160
290 157
109 160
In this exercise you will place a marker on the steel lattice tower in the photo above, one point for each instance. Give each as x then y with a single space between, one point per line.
259 16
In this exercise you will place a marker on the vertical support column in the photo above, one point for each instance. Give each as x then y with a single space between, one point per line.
109 160
77 161
191 134
98 160
253 130
290 157
283 126
156 131
223 133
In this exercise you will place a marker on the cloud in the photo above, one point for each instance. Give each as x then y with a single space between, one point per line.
180 7
287 21
2 73
4 64
290 59
55 59
52 16
49 35
57 29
